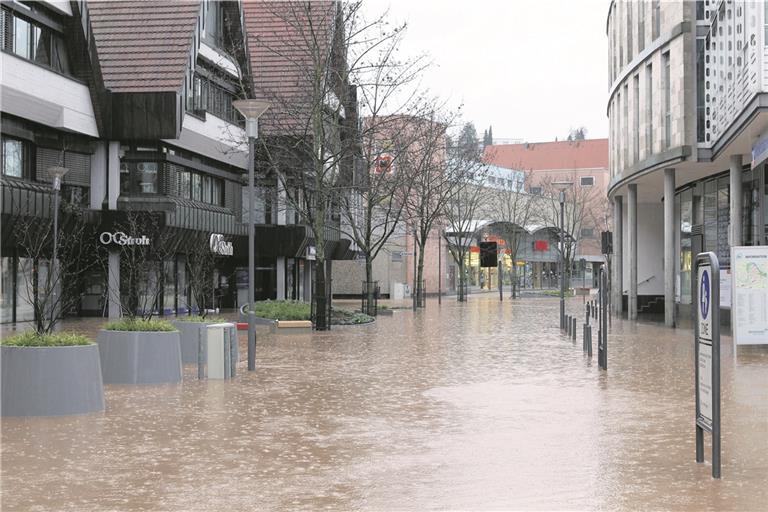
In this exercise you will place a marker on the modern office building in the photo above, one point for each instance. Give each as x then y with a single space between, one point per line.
687 111
135 99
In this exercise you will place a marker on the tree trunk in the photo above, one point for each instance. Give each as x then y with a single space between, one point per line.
369 288
420 298
462 282
321 303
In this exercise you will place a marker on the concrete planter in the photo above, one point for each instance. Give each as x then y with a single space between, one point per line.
51 381
138 357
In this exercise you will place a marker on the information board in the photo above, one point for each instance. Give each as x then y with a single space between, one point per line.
749 308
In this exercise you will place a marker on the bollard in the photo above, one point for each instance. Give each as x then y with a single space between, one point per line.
573 329
589 340
567 325
584 338
586 320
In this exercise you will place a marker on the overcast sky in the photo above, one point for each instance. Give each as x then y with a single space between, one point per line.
530 68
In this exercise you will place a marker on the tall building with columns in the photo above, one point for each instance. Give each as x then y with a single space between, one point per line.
687 107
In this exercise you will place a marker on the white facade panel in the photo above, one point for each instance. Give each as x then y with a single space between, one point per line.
214 138
32 92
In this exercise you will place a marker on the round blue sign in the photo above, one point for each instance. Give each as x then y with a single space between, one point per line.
704 294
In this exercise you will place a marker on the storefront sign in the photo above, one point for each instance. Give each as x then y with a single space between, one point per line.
311 253
749 310
120 238
220 246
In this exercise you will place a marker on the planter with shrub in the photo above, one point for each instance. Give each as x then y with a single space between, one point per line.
50 375
140 351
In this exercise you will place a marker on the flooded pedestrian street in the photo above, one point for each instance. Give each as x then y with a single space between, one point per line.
476 406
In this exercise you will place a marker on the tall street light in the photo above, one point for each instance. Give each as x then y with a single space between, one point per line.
562 186
251 109
57 175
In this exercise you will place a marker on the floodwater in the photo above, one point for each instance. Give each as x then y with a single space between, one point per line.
479 406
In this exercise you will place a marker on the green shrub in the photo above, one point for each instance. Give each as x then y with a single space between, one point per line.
282 310
200 319
56 339
138 324
344 317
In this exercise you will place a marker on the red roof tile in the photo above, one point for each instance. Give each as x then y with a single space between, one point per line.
143 45
580 154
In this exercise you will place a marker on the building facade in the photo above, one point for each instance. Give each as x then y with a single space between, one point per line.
135 100
686 108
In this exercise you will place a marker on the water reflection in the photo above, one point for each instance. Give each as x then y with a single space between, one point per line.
476 406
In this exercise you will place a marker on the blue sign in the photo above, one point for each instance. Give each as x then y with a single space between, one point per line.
704 294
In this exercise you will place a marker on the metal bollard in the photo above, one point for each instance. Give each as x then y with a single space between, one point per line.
589 340
567 326
586 320
573 329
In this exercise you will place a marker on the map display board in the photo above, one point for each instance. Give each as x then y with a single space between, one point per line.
749 310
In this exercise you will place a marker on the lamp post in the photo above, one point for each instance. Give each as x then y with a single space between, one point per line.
562 186
251 109
57 175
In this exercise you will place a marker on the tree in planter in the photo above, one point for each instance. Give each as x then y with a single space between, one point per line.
54 290
513 208
200 266
142 265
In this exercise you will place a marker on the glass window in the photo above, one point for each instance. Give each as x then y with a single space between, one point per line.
21 33
216 191
41 43
197 187
59 60
13 157
686 220
710 215
587 232
723 218
185 184
146 176
206 189
587 181
24 291
125 178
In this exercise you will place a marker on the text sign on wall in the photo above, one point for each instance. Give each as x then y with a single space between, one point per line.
749 305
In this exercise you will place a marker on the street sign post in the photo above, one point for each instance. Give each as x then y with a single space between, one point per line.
707 353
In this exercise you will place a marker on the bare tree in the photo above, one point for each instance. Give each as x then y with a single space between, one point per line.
143 252
200 266
579 212
461 214
333 57
55 288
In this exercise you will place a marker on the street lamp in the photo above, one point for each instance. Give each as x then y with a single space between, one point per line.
251 109
562 186
57 175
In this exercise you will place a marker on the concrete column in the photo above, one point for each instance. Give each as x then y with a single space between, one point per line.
113 171
669 247
632 228
618 255
281 278
736 200
113 284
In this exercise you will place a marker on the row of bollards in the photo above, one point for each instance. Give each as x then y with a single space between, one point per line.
597 310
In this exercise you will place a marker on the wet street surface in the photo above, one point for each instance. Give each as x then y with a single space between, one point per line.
476 406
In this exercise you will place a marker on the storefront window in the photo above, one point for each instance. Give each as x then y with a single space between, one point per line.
6 299
710 216
185 184
24 291
169 288
206 189
723 218
686 221
181 285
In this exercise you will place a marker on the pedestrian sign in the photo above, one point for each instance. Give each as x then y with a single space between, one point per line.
707 364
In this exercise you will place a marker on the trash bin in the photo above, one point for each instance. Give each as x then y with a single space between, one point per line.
222 350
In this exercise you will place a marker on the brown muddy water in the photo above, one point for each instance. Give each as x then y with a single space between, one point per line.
480 406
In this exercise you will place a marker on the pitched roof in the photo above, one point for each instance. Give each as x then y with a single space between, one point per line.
284 41
580 154
143 45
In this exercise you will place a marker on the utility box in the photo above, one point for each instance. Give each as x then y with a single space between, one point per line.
222 350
